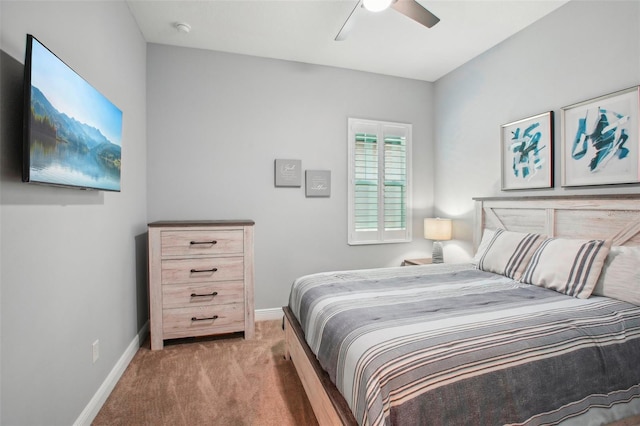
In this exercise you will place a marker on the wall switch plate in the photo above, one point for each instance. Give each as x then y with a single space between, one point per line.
96 350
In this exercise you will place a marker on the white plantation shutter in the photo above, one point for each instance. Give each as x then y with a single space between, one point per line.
379 182
395 182
366 182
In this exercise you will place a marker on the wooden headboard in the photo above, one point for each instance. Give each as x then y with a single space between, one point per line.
589 216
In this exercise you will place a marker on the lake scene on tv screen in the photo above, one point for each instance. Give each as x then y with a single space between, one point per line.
75 132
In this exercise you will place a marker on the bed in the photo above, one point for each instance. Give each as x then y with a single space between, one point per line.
543 327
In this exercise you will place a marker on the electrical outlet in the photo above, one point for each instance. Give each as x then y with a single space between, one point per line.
96 350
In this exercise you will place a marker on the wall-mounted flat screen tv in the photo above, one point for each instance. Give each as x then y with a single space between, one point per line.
72 133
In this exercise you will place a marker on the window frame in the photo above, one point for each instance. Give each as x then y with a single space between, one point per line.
380 235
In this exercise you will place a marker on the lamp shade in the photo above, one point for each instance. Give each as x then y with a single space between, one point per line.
437 229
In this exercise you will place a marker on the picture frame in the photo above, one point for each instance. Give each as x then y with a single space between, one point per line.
600 140
288 173
318 183
526 153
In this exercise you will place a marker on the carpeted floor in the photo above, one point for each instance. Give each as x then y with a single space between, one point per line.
211 381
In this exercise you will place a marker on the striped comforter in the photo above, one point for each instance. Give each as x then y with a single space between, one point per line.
452 345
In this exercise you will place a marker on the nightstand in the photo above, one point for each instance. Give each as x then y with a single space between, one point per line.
423 261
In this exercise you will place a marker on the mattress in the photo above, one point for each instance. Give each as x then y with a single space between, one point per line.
453 345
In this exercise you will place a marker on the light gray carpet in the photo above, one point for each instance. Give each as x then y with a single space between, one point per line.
211 381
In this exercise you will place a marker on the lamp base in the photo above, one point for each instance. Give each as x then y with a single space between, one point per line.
437 256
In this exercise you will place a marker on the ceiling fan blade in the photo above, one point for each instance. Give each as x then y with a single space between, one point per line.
416 11
348 24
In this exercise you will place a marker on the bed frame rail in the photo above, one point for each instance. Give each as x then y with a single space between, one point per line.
328 404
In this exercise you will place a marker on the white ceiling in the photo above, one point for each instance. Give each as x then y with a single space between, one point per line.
303 30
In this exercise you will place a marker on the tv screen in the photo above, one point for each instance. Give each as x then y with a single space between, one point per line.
72 133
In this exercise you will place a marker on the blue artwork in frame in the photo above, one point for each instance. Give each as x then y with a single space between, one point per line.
600 144
527 153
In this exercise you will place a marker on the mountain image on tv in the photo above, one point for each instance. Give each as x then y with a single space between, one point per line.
74 131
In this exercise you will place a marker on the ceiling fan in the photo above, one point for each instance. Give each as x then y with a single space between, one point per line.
409 8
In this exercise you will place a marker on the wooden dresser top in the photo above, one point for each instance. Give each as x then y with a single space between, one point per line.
186 223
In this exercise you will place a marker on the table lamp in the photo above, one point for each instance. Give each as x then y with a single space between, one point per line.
438 230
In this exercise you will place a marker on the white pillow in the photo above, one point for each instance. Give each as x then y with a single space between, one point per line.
567 266
620 277
487 235
508 253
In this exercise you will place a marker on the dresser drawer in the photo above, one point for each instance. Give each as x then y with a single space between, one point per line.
201 270
202 242
219 293
201 321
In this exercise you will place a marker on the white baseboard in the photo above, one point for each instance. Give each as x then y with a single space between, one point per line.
269 314
93 407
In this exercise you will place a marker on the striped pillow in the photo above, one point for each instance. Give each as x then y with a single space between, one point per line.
487 236
567 266
508 253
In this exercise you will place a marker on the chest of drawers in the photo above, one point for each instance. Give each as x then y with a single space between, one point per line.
201 279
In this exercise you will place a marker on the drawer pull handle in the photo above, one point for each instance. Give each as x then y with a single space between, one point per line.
204 319
215 293
194 271
212 242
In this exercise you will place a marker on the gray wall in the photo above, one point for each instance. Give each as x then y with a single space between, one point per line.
72 261
583 50
217 122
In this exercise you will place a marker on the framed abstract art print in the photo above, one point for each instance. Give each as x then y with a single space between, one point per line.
600 140
526 153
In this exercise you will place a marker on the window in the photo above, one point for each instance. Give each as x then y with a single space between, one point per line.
379 182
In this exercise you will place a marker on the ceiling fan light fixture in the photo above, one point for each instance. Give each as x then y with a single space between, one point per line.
376 5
